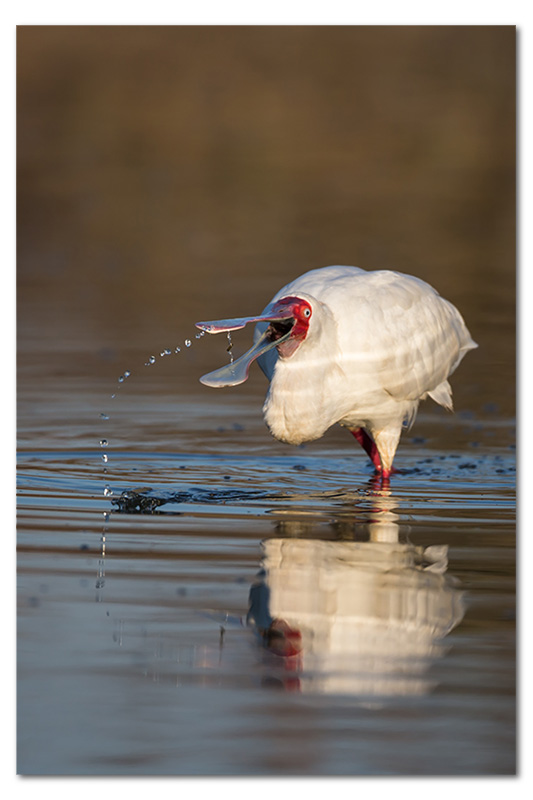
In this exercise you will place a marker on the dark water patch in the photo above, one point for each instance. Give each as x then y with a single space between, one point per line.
148 501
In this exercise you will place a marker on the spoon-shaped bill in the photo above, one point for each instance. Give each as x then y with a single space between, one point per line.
237 372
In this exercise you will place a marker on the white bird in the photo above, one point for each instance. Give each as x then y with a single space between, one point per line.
347 346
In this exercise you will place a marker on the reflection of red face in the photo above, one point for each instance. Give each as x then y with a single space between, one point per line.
282 640
285 644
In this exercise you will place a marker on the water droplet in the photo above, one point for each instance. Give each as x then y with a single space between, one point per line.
127 373
105 458
151 360
107 491
166 352
199 335
103 416
113 396
103 442
188 342
177 350
229 348
121 379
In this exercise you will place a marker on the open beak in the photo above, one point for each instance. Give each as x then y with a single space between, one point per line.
237 372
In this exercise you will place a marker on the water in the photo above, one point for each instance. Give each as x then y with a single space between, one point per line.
195 598
134 591
229 348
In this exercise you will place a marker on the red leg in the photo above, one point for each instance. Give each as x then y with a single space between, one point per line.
369 446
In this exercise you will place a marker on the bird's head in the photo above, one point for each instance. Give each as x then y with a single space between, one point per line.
284 324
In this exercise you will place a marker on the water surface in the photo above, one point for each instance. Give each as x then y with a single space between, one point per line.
138 653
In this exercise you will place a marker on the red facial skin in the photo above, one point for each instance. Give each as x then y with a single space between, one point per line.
302 312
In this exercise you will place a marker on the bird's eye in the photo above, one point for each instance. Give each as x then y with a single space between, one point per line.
307 312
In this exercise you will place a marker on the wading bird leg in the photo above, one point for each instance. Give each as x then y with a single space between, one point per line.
369 446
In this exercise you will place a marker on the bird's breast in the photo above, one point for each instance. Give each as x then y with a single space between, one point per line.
296 408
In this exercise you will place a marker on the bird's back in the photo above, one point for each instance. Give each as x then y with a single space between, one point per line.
397 328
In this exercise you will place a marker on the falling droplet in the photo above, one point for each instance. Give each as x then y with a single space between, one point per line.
121 379
166 352
105 458
151 360
103 442
229 348
113 396
107 491
177 350
199 335
188 342
103 416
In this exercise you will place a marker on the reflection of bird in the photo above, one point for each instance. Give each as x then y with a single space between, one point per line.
370 612
354 347
370 616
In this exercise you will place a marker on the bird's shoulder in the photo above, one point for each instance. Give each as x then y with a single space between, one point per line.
345 284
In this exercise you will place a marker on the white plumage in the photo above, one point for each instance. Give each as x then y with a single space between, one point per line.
343 345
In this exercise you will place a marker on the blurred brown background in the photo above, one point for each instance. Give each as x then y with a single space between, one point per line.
168 174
